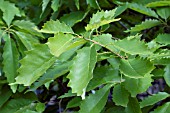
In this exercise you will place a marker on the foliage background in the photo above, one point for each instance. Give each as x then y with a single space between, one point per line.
85 56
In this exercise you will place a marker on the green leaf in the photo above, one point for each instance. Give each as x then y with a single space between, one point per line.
72 18
77 4
40 107
27 26
164 12
151 100
165 108
75 102
101 18
163 39
129 46
136 86
166 74
34 64
51 74
105 40
15 104
142 9
62 42
103 75
116 109
144 25
55 5
94 103
158 4
81 71
68 94
53 27
9 11
136 68
133 106
10 60
93 3
120 95
44 6
27 39
6 94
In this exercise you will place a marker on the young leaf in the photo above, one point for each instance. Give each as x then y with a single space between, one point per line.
163 39
27 26
144 25
34 64
129 46
136 86
120 95
11 60
82 69
94 103
164 12
53 27
166 74
165 108
102 18
142 9
133 106
151 100
136 68
158 4
62 42
9 11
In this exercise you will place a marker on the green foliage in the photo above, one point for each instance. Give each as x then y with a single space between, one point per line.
89 56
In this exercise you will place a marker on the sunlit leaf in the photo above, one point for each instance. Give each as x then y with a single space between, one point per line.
81 71
34 64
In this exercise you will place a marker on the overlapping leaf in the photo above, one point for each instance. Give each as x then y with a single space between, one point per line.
164 12
9 11
94 103
142 9
27 39
133 106
10 60
93 3
129 46
62 42
144 25
136 68
136 86
53 27
120 95
74 17
34 64
165 108
101 18
51 74
151 100
163 39
27 26
55 4
81 71
103 75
